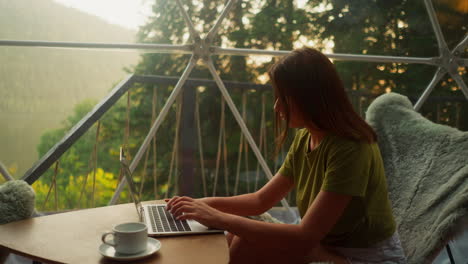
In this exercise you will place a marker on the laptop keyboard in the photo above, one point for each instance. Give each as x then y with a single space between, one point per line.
162 221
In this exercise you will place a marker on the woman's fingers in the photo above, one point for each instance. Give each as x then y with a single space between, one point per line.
187 216
171 202
174 201
182 207
196 210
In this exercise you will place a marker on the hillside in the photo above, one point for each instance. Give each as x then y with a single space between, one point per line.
40 86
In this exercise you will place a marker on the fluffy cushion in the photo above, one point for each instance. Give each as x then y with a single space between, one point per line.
265 217
16 201
427 171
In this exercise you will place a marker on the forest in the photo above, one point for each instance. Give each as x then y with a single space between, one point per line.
39 87
88 173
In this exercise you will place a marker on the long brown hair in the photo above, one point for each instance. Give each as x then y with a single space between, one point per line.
307 79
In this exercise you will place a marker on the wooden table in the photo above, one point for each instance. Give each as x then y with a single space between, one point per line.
74 237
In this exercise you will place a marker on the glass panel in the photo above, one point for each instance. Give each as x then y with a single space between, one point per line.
365 81
398 28
248 86
447 105
73 20
42 87
220 139
46 89
451 15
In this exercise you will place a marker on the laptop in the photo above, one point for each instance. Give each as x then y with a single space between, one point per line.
159 221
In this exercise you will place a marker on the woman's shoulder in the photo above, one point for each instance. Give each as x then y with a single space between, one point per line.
300 135
301 132
342 143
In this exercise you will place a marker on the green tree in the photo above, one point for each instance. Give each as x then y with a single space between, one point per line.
363 27
247 26
79 166
398 28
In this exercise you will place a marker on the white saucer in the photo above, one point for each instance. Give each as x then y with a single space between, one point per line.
109 252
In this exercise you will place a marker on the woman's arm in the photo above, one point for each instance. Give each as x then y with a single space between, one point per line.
247 204
320 218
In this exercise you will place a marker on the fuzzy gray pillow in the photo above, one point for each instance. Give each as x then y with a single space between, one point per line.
17 200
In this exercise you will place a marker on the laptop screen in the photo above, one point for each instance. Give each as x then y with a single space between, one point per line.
131 184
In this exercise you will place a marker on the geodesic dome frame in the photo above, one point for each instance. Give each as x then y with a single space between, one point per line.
202 49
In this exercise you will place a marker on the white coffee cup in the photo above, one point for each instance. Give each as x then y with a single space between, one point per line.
129 238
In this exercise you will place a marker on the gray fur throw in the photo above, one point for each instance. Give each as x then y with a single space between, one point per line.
426 165
16 201
265 217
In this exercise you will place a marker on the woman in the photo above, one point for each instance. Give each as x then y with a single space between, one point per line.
336 167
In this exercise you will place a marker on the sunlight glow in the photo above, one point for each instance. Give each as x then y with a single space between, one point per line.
127 13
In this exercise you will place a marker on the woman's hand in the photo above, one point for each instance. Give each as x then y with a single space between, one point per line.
183 208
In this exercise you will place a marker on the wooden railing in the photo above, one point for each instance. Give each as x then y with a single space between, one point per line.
227 172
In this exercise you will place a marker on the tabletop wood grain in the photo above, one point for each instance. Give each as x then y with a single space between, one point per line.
74 237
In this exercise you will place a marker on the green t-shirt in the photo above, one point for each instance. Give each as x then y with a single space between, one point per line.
347 167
